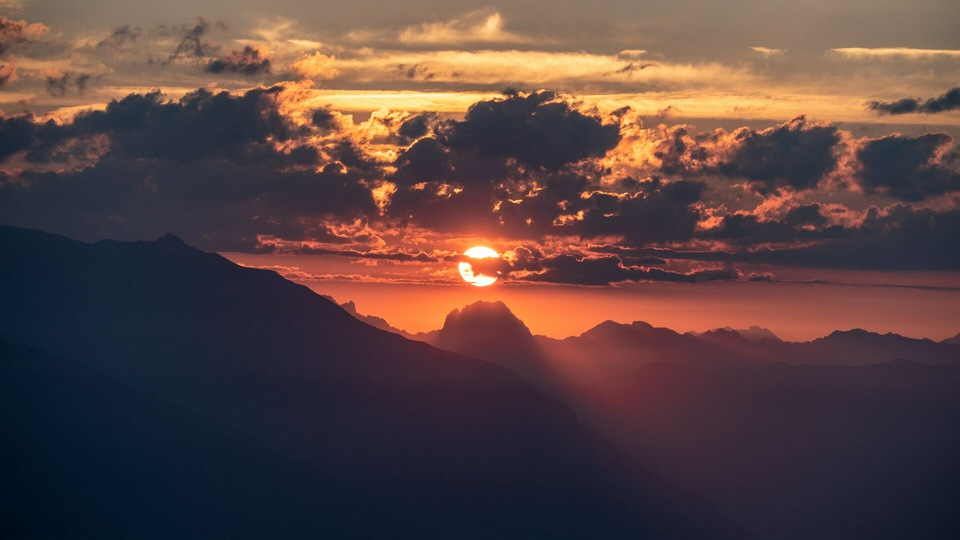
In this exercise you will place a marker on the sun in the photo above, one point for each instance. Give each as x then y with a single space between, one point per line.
480 266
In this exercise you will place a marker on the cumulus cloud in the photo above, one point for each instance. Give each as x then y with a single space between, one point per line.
247 61
908 168
536 129
13 35
949 101
796 155
267 170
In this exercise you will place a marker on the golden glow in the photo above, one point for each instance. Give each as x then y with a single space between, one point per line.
466 269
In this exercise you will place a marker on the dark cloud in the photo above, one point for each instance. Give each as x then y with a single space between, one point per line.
121 36
324 120
536 129
908 168
82 80
216 204
897 238
193 43
567 269
200 125
247 61
207 166
800 224
796 154
417 126
949 101
17 133
679 152
659 212
57 84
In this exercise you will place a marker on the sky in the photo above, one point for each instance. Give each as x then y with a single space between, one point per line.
693 164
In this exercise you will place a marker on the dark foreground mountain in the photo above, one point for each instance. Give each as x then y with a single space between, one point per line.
196 348
87 457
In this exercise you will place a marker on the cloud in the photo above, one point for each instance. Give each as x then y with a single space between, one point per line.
217 168
908 168
193 43
796 154
120 37
659 212
767 51
537 129
949 101
316 66
596 271
15 33
857 53
247 61
474 27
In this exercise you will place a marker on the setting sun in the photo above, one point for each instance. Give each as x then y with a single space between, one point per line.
480 269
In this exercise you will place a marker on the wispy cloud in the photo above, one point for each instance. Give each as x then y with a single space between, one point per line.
475 27
895 52
767 51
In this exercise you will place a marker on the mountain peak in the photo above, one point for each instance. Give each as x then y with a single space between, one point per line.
485 316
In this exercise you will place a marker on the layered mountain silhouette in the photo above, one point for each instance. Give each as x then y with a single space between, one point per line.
799 451
490 331
193 390
848 436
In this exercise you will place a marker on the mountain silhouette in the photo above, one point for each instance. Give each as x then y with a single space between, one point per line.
490 331
753 333
846 436
446 445
87 457
955 340
799 451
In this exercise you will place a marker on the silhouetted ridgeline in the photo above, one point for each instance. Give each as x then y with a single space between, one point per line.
153 390
857 437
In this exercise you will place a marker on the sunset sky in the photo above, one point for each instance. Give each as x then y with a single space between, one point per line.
692 164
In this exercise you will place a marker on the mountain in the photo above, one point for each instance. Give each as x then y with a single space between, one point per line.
796 452
87 457
848 436
754 333
611 349
847 347
955 340
490 331
446 445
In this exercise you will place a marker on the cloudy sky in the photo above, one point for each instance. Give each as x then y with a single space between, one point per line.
689 163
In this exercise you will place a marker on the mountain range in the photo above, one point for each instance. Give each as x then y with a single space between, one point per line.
852 435
154 390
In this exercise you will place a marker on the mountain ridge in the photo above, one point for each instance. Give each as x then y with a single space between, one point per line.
457 446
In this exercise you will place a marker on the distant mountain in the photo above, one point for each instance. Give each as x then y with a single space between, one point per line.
447 445
849 347
955 340
798 452
610 349
490 331
854 440
381 323
754 333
